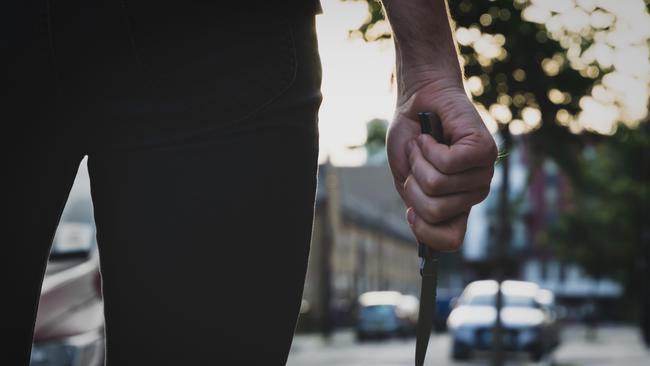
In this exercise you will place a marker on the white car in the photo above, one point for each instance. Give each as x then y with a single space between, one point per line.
528 325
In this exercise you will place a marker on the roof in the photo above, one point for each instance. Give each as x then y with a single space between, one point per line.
368 198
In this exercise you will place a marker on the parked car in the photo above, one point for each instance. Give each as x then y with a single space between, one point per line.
445 300
528 325
546 300
386 314
69 328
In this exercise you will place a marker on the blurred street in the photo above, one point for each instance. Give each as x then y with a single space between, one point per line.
561 242
614 345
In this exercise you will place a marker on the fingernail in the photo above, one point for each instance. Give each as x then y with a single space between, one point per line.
410 216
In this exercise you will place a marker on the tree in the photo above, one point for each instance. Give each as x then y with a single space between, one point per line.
532 62
376 139
606 228
563 72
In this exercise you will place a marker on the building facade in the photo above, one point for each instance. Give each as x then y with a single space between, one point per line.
361 242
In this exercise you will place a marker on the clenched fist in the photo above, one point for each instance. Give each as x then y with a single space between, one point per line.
440 183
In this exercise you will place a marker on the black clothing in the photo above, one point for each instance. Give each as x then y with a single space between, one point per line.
202 142
230 7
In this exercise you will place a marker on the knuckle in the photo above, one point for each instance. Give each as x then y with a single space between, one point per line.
457 240
492 152
486 150
432 183
432 213
489 173
408 191
445 164
483 192
455 243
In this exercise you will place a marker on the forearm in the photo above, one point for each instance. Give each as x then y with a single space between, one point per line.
439 183
425 48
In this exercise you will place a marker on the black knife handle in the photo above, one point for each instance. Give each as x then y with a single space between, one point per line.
430 124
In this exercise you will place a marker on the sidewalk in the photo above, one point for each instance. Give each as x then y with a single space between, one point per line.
614 346
312 341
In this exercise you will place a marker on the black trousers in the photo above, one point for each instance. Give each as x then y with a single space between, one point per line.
201 134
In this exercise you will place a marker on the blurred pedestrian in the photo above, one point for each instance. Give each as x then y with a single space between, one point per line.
199 120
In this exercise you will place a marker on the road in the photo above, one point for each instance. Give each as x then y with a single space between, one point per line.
614 346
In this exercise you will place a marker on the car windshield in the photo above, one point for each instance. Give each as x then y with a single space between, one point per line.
377 312
508 300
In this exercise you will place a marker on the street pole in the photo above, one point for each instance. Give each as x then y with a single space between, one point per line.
328 209
326 276
502 245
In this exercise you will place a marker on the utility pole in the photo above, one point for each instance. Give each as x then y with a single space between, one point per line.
331 224
328 223
326 275
502 245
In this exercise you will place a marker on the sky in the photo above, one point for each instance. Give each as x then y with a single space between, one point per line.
620 30
356 82
356 74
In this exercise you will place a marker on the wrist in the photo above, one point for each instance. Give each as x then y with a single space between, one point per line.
420 57
424 45
435 80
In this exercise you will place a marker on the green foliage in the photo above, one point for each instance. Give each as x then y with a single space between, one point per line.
515 77
606 229
375 144
512 63
376 130
376 15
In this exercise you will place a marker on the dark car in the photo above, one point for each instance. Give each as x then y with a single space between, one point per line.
386 314
445 300
69 327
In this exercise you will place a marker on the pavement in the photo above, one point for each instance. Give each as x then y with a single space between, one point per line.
613 346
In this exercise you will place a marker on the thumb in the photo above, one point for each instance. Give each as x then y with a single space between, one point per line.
472 151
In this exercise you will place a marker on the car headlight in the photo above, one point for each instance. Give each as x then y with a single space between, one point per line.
81 350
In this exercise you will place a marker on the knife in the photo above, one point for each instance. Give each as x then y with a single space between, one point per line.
429 124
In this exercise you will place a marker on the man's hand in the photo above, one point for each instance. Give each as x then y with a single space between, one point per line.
440 183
